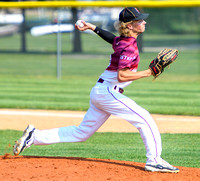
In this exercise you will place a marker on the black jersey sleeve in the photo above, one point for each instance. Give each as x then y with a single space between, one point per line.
106 35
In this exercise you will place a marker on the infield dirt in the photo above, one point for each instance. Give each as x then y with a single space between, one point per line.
25 168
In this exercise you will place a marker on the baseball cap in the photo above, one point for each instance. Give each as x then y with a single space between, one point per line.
130 14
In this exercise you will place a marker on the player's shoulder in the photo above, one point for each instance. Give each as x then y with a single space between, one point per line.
124 41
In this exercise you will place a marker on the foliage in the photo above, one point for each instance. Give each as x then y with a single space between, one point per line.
173 20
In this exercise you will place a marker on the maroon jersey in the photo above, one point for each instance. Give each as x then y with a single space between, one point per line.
125 54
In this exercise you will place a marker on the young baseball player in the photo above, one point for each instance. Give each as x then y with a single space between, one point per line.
107 96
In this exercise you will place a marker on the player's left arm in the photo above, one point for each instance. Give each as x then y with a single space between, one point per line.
126 74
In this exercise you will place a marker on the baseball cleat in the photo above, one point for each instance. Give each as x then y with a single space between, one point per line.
161 167
25 141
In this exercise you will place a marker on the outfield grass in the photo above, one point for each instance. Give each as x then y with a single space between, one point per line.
91 44
178 149
73 94
29 81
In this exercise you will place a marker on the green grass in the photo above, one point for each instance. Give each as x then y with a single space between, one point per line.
73 94
178 149
29 80
91 44
170 40
48 43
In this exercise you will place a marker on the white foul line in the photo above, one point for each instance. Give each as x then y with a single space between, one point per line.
24 113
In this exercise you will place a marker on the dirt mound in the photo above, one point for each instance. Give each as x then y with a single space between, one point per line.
83 169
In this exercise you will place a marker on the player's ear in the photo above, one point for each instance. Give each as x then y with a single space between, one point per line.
130 26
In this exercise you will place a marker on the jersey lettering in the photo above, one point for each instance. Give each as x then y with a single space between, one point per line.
124 57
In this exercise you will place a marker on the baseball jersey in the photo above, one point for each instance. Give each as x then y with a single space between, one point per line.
125 55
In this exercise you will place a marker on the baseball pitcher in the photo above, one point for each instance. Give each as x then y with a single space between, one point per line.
107 98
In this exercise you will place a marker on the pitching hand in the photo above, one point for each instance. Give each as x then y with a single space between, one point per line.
87 26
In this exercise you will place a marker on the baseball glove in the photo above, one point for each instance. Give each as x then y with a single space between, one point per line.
163 59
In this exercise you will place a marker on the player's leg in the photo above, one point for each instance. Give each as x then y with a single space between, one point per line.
93 119
125 108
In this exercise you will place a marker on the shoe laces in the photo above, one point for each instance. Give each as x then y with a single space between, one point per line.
166 164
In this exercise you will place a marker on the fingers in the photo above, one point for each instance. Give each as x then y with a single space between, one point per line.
86 26
83 28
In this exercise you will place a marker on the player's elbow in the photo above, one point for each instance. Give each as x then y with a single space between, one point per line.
121 77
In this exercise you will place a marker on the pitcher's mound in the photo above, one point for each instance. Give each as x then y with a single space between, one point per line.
83 169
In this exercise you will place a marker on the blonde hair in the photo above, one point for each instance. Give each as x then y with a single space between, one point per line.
122 28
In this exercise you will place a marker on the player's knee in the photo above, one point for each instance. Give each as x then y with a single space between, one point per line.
82 134
84 139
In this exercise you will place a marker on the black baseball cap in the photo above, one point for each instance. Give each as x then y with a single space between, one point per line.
130 14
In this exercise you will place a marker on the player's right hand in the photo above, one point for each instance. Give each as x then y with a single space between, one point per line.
85 27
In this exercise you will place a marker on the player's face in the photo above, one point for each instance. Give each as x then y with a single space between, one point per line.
138 26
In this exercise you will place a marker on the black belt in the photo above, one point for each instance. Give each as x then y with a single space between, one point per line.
120 89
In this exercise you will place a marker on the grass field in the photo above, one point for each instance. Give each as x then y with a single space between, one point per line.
29 81
178 149
95 45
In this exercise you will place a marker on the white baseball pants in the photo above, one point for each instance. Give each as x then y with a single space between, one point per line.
104 101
